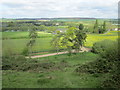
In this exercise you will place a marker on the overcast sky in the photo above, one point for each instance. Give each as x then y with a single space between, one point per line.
59 8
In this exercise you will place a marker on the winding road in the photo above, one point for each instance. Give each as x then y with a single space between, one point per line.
83 49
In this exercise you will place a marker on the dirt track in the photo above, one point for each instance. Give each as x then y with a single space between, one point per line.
83 49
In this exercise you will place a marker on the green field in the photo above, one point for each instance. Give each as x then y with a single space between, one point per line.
18 45
19 35
62 73
43 44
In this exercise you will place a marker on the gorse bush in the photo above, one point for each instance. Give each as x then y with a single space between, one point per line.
12 62
112 56
108 62
101 65
109 52
20 63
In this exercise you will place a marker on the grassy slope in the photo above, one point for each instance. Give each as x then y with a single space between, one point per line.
64 77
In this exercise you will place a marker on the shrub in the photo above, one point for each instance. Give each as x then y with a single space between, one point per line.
100 47
99 66
12 62
113 82
108 62
25 51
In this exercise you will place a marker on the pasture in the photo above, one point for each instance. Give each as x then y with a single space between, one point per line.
60 75
16 46
20 35
18 41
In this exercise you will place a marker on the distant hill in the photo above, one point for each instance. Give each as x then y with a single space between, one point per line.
49 18
56 19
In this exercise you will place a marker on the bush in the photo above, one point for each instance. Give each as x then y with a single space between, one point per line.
12 62
100 47
113 82
99 66
25 51
108 62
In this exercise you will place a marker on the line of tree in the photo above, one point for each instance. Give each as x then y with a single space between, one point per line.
99 28
22 25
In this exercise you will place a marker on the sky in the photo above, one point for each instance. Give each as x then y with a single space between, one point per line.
58 8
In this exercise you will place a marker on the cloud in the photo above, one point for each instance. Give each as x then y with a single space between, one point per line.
59 8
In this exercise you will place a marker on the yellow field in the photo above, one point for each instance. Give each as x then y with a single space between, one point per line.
92 38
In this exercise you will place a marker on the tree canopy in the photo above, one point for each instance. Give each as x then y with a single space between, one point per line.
73 38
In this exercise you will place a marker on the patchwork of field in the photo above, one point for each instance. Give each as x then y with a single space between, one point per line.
57 71
19 40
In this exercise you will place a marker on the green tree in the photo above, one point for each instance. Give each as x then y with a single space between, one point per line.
80 38
64 40
73 38
81 27
51 29
32 37
11 24
56 41
104 27
96 27
100 29
42 28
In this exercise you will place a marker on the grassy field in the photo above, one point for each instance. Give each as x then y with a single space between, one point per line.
15 42
19 35
43 44
18 45
60 75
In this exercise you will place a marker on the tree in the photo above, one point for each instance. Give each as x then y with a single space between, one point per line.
69 39
42 28
95 27
11 24
73 38
80 37
32 37
81 27
56 41
64 40
51 29
102 29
